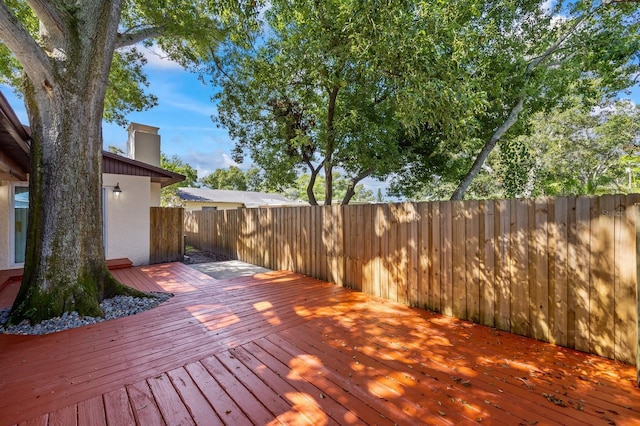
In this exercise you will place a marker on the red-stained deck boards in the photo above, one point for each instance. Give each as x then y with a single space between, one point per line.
283 348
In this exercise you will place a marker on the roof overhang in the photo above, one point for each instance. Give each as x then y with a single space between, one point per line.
119 165
14 144
15 163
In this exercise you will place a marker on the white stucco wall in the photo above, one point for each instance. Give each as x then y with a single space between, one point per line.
5 217
128 219
155 194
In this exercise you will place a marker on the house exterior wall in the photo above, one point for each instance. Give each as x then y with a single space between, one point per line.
128 220
127 217
198 205
5 219
155 194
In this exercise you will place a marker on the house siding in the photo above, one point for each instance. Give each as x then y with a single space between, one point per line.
128 220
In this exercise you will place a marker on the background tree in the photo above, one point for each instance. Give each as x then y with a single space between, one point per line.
578 50
231 178
326 88
255 180
504 61
115 150
583 152
570 152
168 194
340 188
65 51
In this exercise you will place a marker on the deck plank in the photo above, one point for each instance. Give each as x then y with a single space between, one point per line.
171 406
247 401
302 365
117 408
332 408
226 408
198 406
36 421
305 405
91 412
66 416
143 404
285 348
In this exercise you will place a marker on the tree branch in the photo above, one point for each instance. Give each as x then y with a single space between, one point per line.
486 150
555 46
49 18
351 189
35 63
312 181
126 38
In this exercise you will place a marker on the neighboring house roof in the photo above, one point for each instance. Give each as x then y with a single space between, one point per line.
246 198
15 145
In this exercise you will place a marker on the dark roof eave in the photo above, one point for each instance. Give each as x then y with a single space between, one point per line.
158 174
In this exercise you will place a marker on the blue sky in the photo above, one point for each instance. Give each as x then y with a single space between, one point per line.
183 115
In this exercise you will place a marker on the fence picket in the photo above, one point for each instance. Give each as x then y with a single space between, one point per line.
562 270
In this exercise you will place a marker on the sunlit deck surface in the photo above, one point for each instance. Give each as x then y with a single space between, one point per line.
285 348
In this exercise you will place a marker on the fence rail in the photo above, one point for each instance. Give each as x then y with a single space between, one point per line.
561 270
167 234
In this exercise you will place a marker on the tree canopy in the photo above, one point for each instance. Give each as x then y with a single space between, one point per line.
576 151
580 152
231 178
168 194
308 95
420 91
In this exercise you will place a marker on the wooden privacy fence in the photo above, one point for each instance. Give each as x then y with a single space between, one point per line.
167 234
561 270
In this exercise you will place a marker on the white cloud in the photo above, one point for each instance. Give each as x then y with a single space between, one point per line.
228 161
547 6
206 162
157 58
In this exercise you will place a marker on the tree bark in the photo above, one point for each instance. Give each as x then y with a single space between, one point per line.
65 268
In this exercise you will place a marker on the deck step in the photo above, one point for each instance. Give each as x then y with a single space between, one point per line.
9 275
121 263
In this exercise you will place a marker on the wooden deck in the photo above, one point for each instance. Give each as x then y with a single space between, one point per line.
10 280
284 348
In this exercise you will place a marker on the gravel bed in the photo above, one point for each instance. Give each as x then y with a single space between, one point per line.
116 307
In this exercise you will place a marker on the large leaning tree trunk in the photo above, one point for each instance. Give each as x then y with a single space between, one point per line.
65 80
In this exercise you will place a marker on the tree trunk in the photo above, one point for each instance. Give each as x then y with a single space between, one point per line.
312 183
351 189
328 159
486 150
65 268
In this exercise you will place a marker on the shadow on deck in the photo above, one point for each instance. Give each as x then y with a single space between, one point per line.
284 348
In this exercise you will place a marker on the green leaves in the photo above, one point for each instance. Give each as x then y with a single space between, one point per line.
125 92
231 178
168 196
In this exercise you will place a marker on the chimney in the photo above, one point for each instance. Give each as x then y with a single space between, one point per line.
144 144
